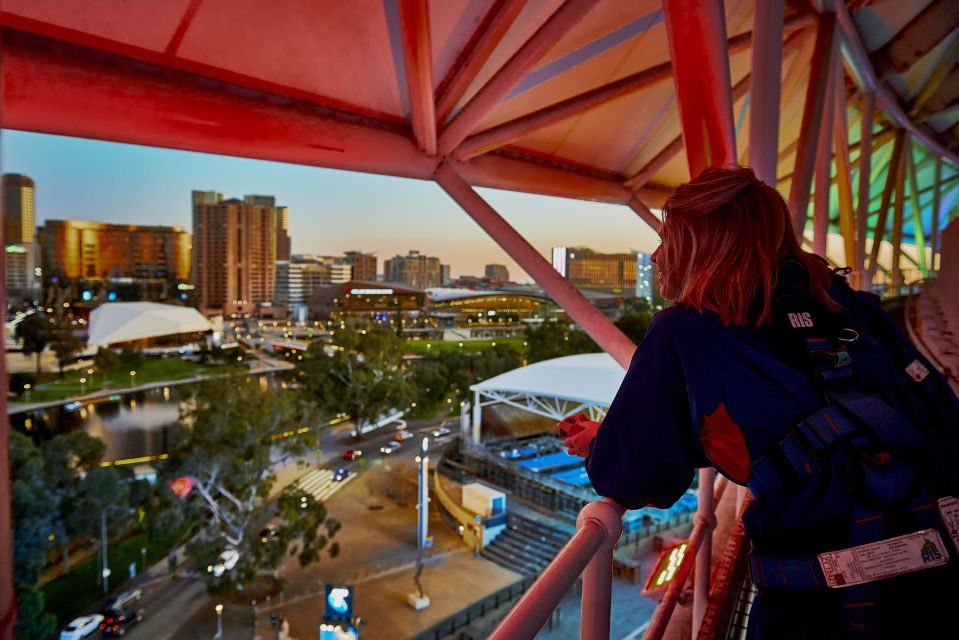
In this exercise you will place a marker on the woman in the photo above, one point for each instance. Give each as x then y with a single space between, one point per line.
770 368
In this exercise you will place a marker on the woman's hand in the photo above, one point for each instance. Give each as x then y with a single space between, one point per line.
578 431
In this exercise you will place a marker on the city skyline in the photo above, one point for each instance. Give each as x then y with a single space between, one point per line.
330 211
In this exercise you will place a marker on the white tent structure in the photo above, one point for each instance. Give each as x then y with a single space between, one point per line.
117 322
553 388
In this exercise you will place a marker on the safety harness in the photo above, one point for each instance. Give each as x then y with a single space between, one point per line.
875 436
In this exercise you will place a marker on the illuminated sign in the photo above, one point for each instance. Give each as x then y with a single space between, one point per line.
336 632
371 292
339 603
666 569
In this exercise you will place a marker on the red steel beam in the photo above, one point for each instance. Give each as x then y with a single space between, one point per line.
643 211
697 47
847 228
897 213
820 224
49 93
598 326
865 178
476 53
816 91
767 55
418 64
916 39
936 203
892 178
558 24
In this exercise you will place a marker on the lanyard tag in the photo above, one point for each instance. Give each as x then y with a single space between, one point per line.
883 559
917 371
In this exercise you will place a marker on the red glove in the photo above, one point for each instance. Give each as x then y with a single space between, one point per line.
577 431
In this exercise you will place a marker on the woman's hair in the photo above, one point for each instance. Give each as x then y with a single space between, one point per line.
723 236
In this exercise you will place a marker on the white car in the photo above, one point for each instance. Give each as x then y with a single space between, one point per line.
82 627
402 435
387 450
442 431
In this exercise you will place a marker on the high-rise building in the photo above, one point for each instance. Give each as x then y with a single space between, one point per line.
644 276
82 259
19 220
497 272
283 242
587 269
445 279
235 253
23 272
414 269
364 265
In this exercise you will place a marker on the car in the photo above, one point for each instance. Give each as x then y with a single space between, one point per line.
81 627
442 431
352 455
393 445
225 562
340 474
121 612
387 450
268 533
402 435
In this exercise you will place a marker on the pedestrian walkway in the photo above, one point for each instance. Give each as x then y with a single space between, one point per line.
320 484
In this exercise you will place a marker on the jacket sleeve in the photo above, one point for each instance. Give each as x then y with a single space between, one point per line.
643 454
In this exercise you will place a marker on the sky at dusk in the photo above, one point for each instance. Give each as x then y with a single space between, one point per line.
330 211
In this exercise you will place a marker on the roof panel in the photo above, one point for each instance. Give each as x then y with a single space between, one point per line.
337 49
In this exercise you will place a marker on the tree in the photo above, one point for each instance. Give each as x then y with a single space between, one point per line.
32 620
32 509
64 342
360 374
35 331
555 339
635 323
449 374
106 359
222 464
67 459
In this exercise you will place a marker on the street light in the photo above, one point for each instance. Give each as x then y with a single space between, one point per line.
26 389
90 375
83 386
219 622
132 376
105 572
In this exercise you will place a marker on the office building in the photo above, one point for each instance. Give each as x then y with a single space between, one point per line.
22 272
364 265
283 242
98 261
645 282
587 269
414 269
497 272
19 219
235 253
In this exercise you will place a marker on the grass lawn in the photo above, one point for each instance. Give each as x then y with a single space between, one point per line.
52 387
75 592
468 346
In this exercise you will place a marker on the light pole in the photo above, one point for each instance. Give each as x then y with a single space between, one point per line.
90 375
143 559
105 572
83 386
26 389
219 622
133 375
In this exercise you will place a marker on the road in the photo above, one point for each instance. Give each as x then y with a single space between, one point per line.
374 539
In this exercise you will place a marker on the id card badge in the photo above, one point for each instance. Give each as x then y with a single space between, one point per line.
883 559
949 510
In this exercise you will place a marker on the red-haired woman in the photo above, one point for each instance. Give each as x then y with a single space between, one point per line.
770 368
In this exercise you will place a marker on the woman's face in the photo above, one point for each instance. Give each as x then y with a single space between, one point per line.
669 288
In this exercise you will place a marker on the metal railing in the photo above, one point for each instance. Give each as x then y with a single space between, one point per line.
590 553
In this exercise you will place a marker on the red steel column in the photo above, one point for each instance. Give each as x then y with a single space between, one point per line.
698 49
594 323
820 222
865 175
936 203
8 602
812 120
766 72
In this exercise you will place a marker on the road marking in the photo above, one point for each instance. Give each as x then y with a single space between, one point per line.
320 484
638 631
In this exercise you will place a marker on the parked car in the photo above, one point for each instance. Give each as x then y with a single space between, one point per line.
387 450
402 435
340 474
352 455
442 431
81 627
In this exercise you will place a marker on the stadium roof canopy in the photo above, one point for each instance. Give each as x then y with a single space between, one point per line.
558 387
118 322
